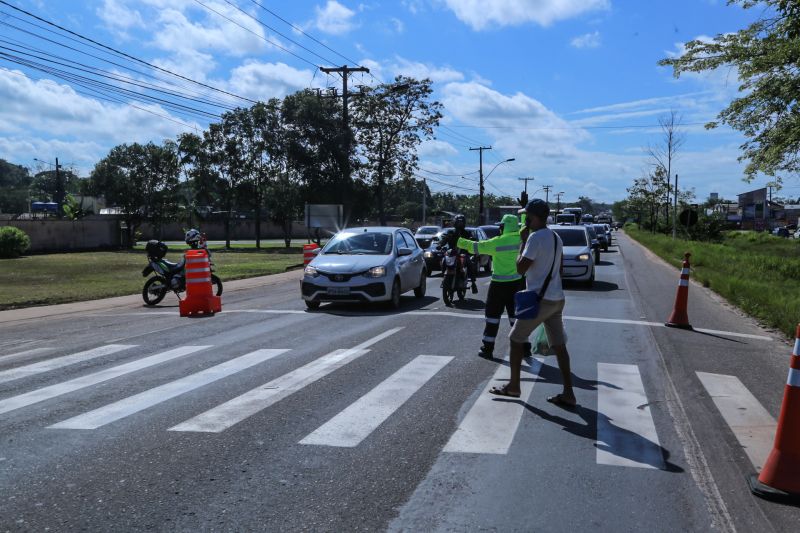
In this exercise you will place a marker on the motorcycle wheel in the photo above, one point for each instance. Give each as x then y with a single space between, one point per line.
447 293
218 283
155 289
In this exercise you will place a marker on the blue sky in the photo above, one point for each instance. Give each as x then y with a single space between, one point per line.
570 88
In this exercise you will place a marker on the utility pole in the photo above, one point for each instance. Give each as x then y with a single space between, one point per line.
480 149
546 190
59 191
675 211
526 180
345 71
424 200
558 200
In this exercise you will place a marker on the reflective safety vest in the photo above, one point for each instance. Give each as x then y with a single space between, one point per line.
503 249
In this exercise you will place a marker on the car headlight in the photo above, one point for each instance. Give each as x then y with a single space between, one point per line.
310 272
376 272
584 257
428 255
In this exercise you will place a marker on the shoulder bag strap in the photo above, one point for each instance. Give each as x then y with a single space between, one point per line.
550 274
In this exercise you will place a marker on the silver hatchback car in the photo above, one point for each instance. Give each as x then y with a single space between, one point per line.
578 263
371 264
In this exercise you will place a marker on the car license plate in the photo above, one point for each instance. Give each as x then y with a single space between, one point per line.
339 291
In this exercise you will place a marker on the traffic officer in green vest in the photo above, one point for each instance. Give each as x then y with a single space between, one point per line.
506 282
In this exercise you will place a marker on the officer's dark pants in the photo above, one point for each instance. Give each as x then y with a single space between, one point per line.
500 298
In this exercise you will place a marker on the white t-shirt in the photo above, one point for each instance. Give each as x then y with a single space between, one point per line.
539 249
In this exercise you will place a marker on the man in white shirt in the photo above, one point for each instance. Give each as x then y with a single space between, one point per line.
540 262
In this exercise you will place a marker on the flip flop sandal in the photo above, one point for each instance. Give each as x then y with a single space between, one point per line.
559 400
503 391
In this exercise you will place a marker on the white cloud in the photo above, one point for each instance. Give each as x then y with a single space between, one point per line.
483 14
519 124
34 112
436 148
416 69
262 81
334 18
119 16
398 25
587 40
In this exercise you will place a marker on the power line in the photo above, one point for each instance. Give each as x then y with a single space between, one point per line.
573 127
266 39
276 31
110 75
129 56
194 92
300 30
449 175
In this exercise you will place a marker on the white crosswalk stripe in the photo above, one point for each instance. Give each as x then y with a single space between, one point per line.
234 411
354 424
60 362
491 423
752 425
626 433
139 402
25 353
59 389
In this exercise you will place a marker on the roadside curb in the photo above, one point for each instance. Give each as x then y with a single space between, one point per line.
133 301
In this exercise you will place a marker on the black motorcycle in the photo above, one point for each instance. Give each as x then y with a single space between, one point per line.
168 276
455 274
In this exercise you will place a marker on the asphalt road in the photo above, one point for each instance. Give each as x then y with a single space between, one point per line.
269 417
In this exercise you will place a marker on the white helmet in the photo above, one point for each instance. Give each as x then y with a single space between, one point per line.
193 237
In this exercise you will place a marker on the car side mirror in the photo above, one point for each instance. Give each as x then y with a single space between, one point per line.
401 252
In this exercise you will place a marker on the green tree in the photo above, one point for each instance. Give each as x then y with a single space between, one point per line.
647 194
314 144
14 185
45 187
392 120
141 180
766 55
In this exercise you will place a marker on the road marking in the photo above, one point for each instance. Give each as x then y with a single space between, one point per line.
46 393
234 411
33 351
456 314
354 424
626 433
60 362
752 425
491 423
144 400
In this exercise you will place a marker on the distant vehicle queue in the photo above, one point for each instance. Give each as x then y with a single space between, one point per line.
378 264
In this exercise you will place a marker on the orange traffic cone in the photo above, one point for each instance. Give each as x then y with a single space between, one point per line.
200 298
680 317
780 477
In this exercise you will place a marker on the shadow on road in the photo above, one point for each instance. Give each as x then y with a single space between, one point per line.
598 286
636 447
604 263
407 303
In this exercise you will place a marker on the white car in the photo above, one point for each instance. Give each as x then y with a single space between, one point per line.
578 263
372 264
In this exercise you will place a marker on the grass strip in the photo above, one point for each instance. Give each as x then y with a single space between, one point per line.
49 279
757 272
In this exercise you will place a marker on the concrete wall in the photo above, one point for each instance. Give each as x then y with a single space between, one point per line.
215 231
65 235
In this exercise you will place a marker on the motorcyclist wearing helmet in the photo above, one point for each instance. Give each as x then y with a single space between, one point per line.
196 241
459 232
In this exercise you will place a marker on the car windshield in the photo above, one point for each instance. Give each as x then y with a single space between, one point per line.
428 230
571 237
491 231
592 232
361 243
